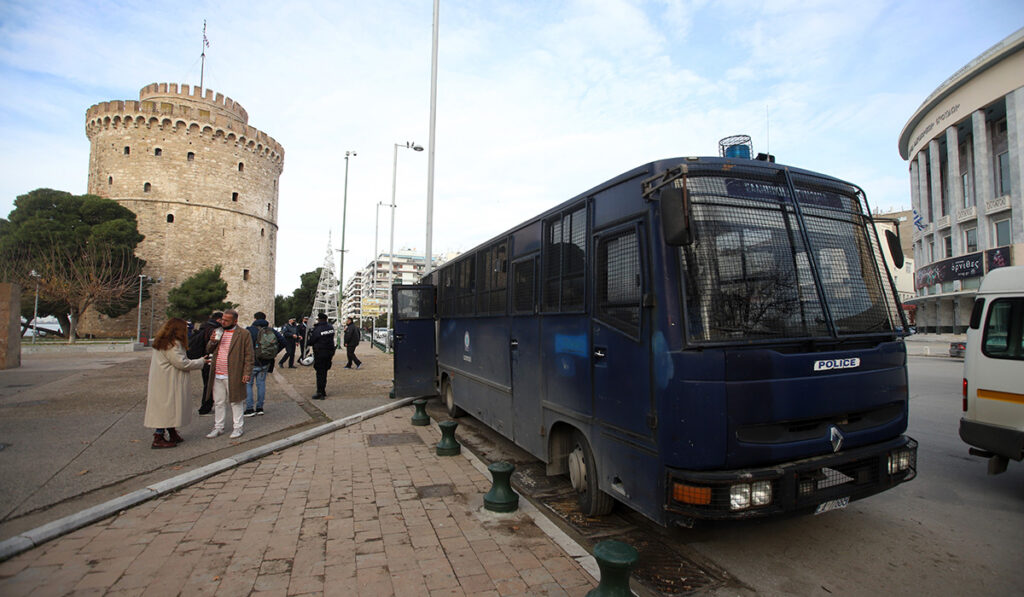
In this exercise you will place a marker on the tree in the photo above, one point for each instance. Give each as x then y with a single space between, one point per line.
82 247
199 295
300 303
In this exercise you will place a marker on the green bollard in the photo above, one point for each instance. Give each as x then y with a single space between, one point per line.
615 559
420 418
501 498
448 446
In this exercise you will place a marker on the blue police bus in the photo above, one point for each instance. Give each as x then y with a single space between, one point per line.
697 338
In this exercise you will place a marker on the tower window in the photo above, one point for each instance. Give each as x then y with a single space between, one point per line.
110 180
170 218
234 196
241 167
245 275
127 150
158 152
262 231
147 188
268 208
191 156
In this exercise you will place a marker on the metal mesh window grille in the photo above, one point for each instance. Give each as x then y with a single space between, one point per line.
619 282
413 304
523 286
465 286
565 259
747 274
446 292
492 268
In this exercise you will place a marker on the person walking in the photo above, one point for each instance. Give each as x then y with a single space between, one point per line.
321 339
197 350
303 336
351 340
290 331
168 400
266 343
231 354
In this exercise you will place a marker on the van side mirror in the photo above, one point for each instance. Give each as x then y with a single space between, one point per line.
675 215
895 248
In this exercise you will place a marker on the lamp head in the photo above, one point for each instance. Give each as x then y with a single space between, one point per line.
417 147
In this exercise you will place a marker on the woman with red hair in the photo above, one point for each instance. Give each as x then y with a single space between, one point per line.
168 404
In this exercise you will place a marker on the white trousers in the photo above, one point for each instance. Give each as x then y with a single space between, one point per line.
220 402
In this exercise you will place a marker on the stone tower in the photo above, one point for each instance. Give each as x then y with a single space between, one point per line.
204 185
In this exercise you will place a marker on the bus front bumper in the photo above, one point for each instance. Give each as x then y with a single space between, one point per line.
816 484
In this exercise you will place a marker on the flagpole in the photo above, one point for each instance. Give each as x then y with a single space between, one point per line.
202 67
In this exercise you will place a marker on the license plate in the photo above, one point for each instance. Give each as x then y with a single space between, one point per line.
832 505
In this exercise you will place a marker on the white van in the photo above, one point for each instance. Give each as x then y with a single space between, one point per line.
993 386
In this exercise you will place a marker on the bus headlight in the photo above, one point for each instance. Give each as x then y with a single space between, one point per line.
899 461
761 493
739 497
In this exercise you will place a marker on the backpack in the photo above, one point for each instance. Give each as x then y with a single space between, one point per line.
266 344
196 344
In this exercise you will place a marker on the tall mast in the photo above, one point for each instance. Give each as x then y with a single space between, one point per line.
202 67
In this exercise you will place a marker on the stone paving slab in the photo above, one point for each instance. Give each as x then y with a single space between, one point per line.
332 516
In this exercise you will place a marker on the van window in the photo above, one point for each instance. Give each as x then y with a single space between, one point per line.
1004 329
979 308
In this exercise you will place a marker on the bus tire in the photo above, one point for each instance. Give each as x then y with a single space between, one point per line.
449 401
584 478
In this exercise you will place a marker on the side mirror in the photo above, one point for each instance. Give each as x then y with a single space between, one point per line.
895 248
675 216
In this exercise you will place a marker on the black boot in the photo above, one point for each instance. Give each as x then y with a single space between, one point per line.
160 442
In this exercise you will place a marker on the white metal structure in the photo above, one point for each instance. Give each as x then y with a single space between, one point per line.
993 386
326 300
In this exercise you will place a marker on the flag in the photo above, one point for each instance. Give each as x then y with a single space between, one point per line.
206 42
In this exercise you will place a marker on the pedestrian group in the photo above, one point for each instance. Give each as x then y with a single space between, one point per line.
234 362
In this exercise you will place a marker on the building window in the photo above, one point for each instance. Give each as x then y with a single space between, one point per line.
241 167
147 188
947 246
262 231
170 218
970 240
1003 173
966 184
1002 232
234 196
110 180
158 152
191 156
931 251
127 150
268 208
245 275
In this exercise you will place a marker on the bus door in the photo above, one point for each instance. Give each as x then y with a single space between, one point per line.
524 347
415 358
621 353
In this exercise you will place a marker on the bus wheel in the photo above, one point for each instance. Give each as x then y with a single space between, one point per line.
584 477
449 401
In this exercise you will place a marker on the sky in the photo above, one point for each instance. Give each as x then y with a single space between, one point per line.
537 101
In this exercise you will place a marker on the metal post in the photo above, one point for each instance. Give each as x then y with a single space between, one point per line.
35 310
138 328
376 228
344 210
428 254
391 251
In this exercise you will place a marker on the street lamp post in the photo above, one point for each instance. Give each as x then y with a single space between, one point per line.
373 283
138 328
344 213
151 307
428 255
35 310
391 252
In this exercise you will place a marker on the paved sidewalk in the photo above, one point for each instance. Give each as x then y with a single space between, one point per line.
365 510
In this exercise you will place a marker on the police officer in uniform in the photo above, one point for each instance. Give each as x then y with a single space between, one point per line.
321 339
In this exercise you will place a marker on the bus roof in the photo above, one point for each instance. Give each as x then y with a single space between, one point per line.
1003 280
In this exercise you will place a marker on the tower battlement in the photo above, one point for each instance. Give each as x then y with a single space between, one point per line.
168 107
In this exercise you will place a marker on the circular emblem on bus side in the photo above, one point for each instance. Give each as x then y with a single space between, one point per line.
466 340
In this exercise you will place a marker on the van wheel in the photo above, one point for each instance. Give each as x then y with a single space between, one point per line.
583 476
449 401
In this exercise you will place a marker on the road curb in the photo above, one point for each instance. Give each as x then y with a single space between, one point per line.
35 537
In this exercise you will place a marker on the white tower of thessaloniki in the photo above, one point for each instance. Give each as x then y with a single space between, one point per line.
204 186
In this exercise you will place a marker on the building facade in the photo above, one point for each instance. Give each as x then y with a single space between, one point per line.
203 185
367 292
964 145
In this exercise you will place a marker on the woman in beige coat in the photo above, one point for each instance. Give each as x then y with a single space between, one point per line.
168 403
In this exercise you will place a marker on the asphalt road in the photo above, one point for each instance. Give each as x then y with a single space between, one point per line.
953 530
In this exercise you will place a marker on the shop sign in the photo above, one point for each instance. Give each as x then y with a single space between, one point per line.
947 270
998 257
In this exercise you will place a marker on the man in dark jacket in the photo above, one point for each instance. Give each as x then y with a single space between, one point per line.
290 331
262 366
204 331
303 335
351 340
321 339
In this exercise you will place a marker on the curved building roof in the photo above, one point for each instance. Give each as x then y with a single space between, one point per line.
996 72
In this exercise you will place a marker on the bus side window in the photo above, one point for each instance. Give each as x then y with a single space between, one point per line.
619 282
